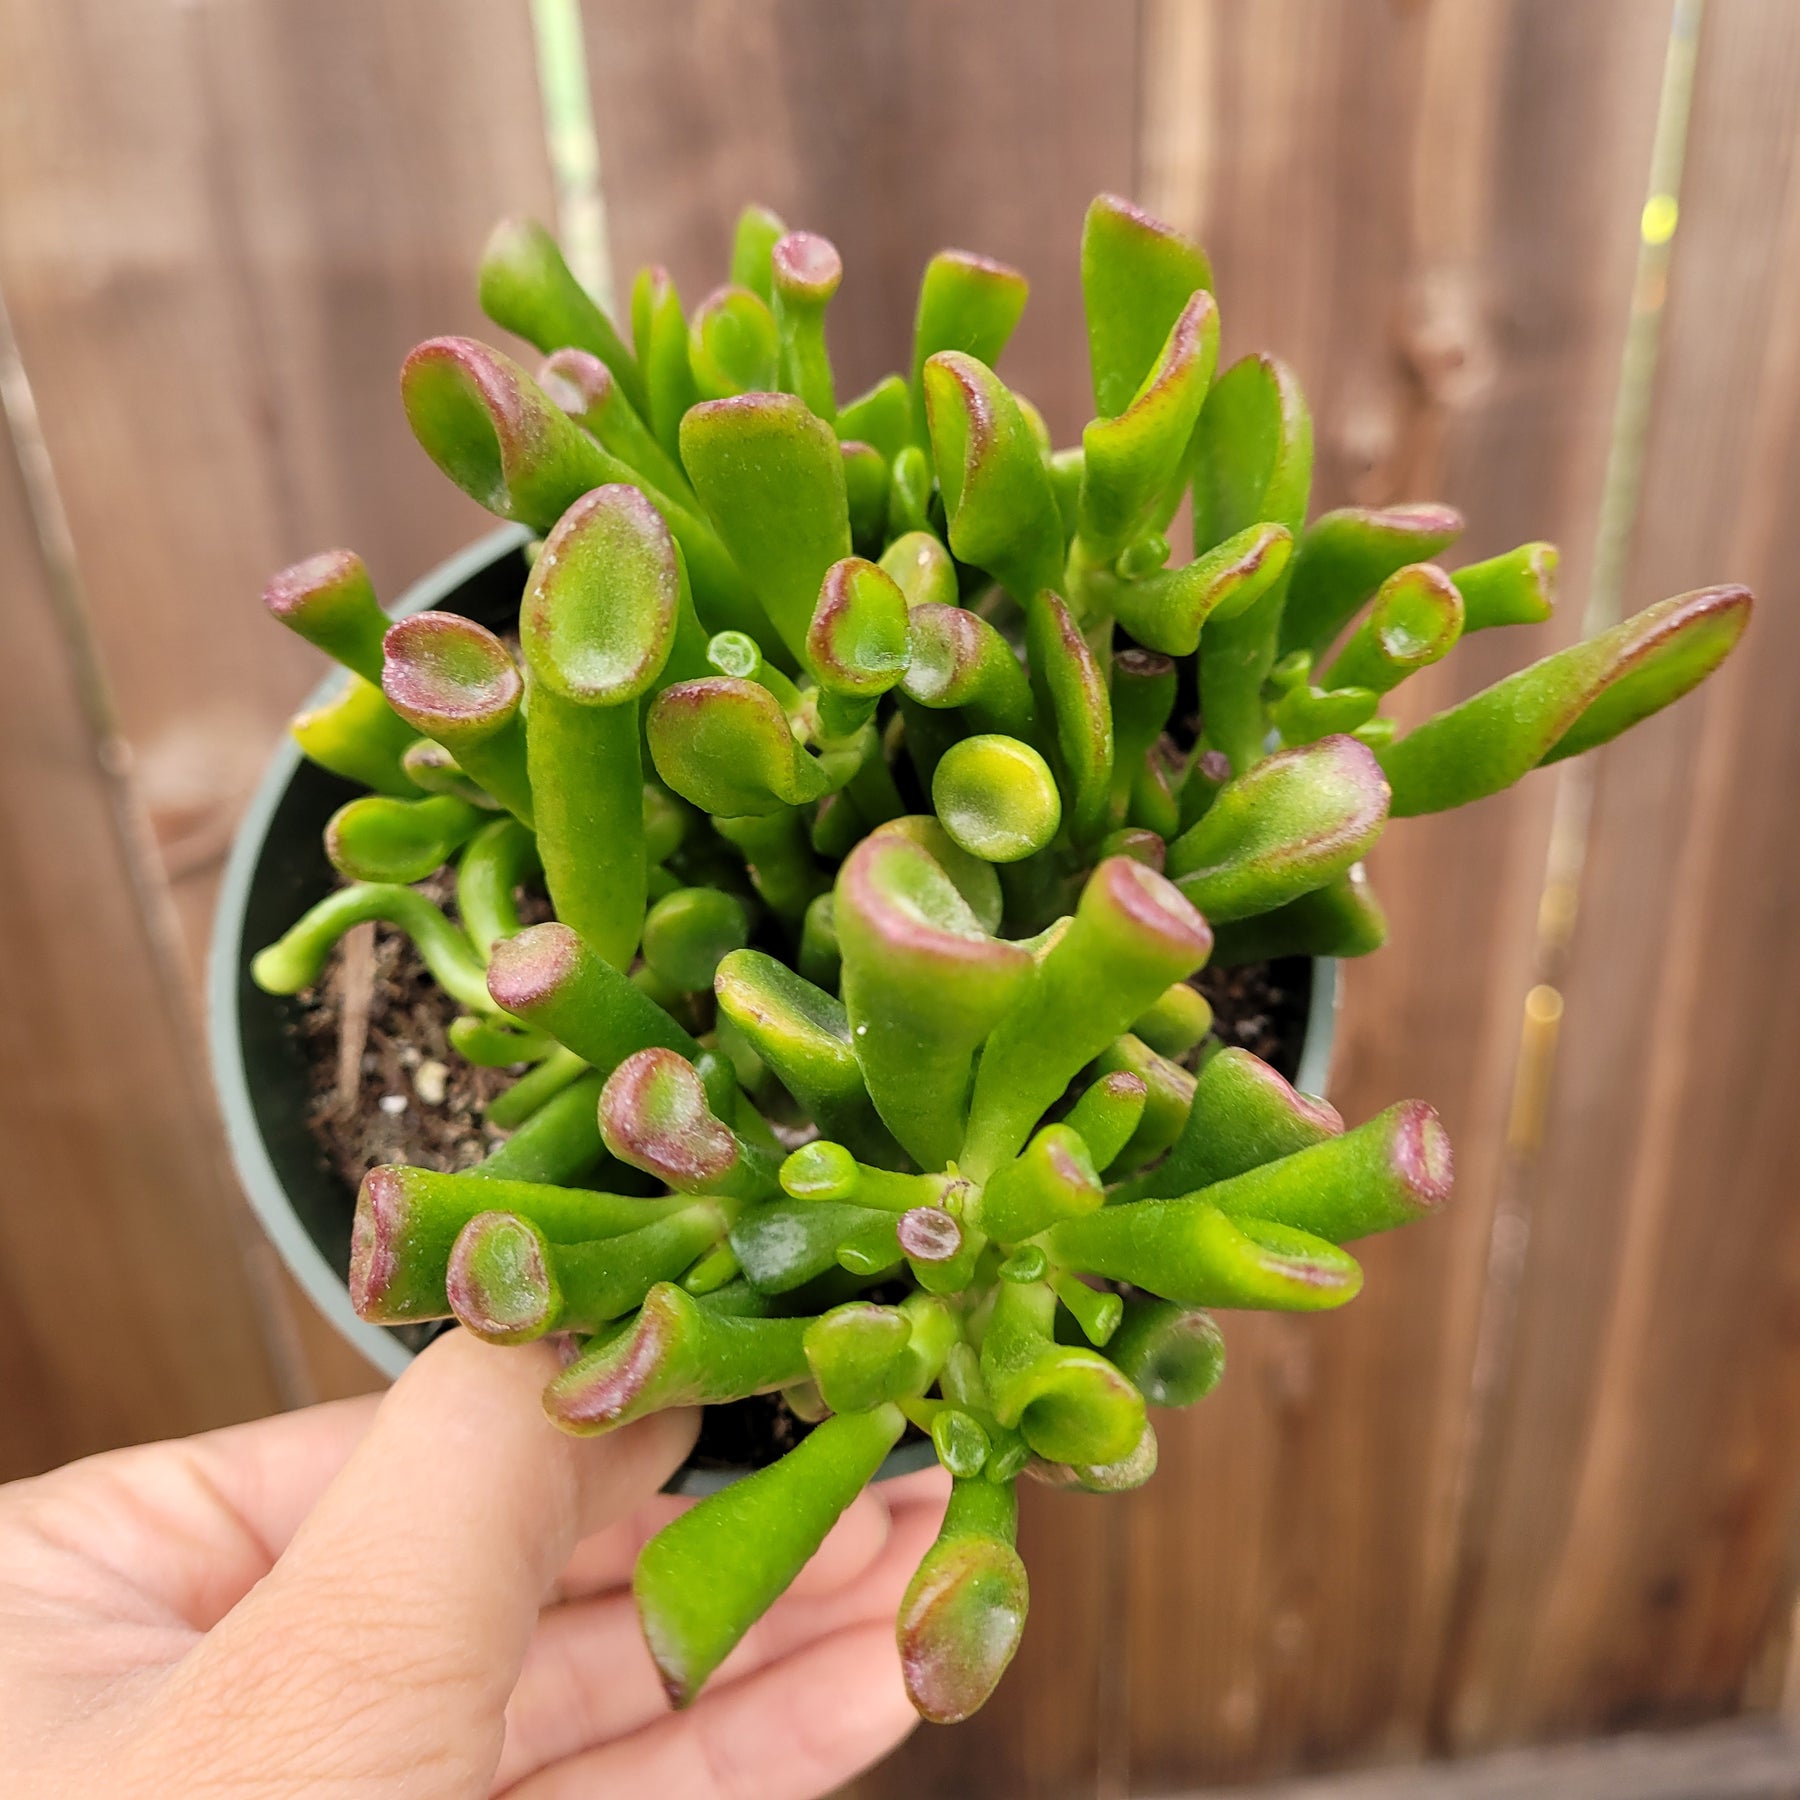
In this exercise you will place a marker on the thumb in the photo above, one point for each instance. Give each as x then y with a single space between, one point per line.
417 1578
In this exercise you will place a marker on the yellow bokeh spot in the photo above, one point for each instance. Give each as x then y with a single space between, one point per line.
1660 213
1543 1005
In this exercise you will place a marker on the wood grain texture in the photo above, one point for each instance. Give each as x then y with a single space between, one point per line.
125 1313
1430 212
1645 1496
1749 1760
221 227
895 131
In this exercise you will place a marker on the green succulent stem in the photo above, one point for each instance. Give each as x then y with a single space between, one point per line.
559 1142
495 863
297 959
552 1074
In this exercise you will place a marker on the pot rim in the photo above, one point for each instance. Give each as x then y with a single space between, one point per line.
257 1173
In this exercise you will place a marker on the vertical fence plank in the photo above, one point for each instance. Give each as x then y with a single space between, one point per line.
221 227
123 1311
1650 1459
1430 212
896 131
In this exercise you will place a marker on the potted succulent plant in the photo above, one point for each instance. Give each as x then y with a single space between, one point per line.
841 802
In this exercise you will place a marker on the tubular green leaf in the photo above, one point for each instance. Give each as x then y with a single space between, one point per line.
375 838
1252 464
963 1613
1342 918
1518 588
407 1221
771 477
679 1351
1001 509
551 980
357 735
1131 461
456 683
1244 1114
659 332
1136 276
1294 822
1187 1250
966 303
1387 1172
1569 702
1131 936
527 289
805 270
583 386
597 623
297 959
1345 556
1415 621
923 985
803 1034
734 344
707 1577
496 861
329 600
1071 1404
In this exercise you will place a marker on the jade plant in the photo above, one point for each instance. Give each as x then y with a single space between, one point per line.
889 778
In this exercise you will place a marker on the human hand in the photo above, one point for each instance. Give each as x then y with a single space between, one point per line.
423 1595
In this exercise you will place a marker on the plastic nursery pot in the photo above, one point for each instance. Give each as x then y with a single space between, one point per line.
277 868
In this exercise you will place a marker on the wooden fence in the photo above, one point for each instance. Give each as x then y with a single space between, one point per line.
1541 1480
